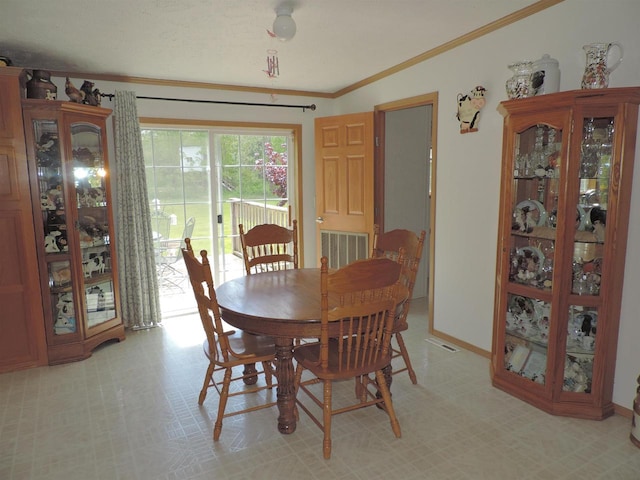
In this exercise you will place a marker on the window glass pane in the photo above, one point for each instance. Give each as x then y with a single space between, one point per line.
195 148
252 183
166 148
169 185
230 187
229 154
196 185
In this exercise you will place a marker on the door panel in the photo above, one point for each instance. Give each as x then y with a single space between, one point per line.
344 175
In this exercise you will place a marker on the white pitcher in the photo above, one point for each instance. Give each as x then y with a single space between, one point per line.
596 72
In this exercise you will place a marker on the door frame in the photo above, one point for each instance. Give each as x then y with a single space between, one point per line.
379 175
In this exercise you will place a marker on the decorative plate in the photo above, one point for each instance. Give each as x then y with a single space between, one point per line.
527 263
528 214
521 306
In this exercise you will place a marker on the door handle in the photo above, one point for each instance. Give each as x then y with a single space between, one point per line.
319 220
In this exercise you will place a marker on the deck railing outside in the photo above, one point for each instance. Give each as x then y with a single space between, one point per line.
251 214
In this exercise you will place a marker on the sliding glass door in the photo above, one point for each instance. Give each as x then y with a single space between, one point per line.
253 175
219 178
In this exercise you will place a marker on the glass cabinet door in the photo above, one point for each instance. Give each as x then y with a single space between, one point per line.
89 174
596 150
51 188
532 244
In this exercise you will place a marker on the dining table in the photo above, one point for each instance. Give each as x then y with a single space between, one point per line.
283 304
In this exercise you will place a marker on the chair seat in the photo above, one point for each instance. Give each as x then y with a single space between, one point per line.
308 356
400 325
243 345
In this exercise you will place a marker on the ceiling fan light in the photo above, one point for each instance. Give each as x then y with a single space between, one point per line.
284 26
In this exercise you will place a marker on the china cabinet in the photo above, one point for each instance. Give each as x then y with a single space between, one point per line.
71 198
565 199
22 339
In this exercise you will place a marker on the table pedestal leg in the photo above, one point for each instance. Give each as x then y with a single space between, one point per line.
250 369
286 390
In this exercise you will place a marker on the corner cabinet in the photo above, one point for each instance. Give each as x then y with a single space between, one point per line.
71 198
565 197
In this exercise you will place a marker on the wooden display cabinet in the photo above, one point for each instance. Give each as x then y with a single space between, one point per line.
22 338
71 197
565 197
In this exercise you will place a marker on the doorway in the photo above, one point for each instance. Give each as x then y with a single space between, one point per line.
405 169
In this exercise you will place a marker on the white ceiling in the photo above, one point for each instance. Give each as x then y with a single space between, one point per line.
338 42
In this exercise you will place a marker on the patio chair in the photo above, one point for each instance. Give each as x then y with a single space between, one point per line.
168 253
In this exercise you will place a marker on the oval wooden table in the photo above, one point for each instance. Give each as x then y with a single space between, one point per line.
283 304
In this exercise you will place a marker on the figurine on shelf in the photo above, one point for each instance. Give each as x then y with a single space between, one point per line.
72 92
48 150
65 319
62 275
598 218
91 95
46 203
96 299
51 242
94 264
56 229
469 107
86 240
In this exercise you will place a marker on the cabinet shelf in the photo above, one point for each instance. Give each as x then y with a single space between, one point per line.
565 195
546 233
536 339
97 279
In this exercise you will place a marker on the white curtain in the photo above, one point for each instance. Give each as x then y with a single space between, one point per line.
134 242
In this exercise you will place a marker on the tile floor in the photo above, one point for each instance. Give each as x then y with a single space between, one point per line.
130 412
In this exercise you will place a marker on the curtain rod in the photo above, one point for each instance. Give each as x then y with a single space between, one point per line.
311 107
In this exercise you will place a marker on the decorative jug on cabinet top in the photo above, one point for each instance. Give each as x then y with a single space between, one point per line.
41 86
520 84
596 72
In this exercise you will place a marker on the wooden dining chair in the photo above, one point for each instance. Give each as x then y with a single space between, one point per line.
268 247
226 349
388 245
357 305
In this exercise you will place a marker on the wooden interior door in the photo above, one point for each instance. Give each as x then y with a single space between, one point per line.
344 152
